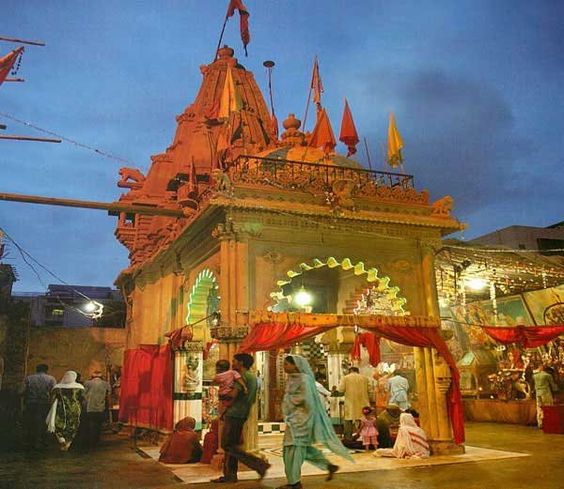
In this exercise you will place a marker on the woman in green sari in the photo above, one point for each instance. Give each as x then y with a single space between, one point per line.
64 417
307 423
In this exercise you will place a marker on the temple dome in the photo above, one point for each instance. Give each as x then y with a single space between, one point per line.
307 154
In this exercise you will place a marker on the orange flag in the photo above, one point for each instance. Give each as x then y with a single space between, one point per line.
348 135
7 62
230 100
243 20
322 135
395 144
316 83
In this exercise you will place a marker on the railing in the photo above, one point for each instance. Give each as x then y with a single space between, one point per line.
315 177
256 169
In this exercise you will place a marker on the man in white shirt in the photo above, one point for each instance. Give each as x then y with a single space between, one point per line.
97 400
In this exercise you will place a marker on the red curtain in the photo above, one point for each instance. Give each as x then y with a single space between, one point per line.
272 335
528 336
371 342
146 387
266 336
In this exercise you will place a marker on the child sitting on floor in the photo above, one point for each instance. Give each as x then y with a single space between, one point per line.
225 378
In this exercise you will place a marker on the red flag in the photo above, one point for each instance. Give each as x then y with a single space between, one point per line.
322 135
316 84
243 20
348 135
7 62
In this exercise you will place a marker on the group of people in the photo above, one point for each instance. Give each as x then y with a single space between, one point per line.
394 431
65 409
306 418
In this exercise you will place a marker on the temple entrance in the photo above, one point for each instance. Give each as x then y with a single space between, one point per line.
334 286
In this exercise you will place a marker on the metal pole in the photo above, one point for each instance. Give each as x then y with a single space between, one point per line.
113 207
33 43
29 138
367 154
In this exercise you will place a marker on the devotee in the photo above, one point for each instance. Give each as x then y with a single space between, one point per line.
307 423
211 442
544 388
225 379
323 392
398 388
183 445
356 391
386 423
381 394
368 432
64 417
37 391
234 420
97 400
411 441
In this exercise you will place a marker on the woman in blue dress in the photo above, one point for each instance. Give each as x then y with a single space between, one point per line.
307 423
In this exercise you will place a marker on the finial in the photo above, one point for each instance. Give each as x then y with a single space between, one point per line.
225 52
268 64
291 122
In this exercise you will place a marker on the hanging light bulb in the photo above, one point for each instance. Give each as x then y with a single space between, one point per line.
303 297
476 283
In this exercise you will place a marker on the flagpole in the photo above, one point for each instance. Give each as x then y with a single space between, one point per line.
221 37
367 154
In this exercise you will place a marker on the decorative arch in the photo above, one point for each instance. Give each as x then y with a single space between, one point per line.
381 284
199 298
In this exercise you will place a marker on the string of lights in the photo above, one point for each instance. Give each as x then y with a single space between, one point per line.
93 308
99 152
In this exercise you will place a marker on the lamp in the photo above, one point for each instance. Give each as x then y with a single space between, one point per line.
476 283
303 298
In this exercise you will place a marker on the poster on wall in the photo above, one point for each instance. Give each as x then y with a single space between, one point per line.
511 311
546 305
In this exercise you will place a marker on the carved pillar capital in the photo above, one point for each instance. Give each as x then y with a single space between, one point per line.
227 334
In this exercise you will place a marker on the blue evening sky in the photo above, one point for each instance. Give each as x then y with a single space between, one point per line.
476 87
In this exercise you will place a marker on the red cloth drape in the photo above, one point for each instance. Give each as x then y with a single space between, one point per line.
274 336
146 387
271 336
528 336
371 342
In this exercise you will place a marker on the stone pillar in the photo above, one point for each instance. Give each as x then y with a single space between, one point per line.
432 373
188 370
337 343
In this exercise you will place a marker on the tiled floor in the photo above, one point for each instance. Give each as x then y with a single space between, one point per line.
270 448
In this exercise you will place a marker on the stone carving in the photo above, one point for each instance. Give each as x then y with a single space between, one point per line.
343 190
221 180
442 207
190 375
130 178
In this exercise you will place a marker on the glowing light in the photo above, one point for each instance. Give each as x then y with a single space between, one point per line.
476 283
90 306
303 297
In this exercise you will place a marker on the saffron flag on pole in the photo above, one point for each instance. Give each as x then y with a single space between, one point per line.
243 20
316 83
322 135
230 99
348 134
7 62
395 144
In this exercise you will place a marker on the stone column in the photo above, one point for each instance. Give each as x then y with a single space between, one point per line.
432 373
188 370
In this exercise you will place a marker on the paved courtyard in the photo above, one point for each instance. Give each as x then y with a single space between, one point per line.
117 464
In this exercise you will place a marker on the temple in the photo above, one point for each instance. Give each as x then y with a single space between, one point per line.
276 232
